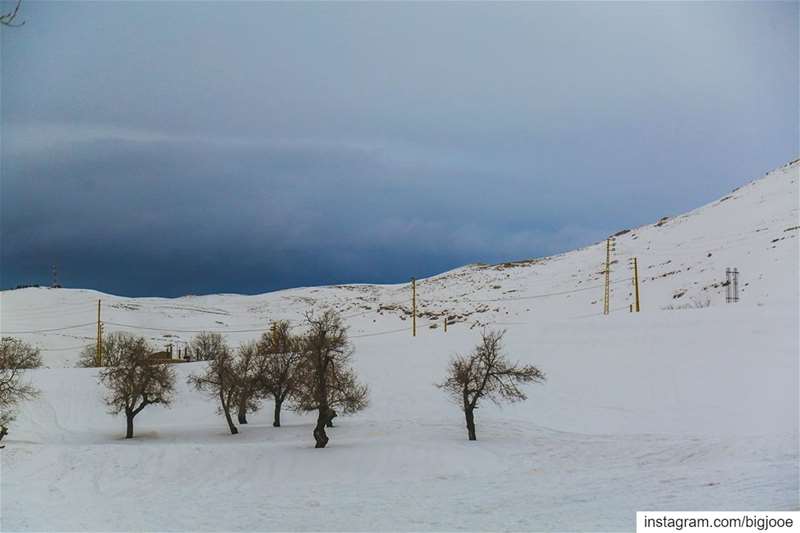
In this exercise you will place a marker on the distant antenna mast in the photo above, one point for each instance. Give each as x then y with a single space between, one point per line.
731 285
55 284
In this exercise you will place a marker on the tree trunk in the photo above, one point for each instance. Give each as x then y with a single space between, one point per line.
276 418
470 414
329 423
226 409
129 426
3 432
325 415
242 412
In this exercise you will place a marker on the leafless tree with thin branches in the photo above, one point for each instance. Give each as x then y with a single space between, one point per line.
16 356
282 355
133 380
220 381
248 367
325 379
108 344
487 373
205 346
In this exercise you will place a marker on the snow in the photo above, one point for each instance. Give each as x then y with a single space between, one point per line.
684 409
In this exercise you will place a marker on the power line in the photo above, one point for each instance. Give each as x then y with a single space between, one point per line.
51 307
585 316
534 296
345 317
55 310
378 333
709 245
119 324
46 330
246 330
175 330
263 328
64 349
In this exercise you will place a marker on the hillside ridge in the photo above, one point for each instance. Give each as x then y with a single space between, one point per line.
682 262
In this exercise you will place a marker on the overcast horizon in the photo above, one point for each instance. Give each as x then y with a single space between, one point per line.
163 149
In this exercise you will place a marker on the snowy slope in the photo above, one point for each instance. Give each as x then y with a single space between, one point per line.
681 260
664 409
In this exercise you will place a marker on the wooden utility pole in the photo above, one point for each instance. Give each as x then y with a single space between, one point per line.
636 283
99 347
445 323
413 307
607 288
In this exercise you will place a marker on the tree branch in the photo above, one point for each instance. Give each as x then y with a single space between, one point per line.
7 19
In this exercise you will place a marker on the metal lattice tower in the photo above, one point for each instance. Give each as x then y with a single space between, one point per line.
55 284
731 285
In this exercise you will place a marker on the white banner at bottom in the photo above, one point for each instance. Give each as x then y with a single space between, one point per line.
718 522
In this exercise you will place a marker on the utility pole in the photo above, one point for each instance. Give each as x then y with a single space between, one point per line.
413 307
445 323
636 284
607 288
99 347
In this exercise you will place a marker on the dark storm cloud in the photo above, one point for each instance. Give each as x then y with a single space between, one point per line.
227 208
166 149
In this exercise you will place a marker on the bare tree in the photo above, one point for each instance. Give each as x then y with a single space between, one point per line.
133 381
15 357
206 346
248 369
282 355
487 373
325 379
8 18
220 381
108 344
88 356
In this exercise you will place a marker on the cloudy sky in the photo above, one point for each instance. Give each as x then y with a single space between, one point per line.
154 148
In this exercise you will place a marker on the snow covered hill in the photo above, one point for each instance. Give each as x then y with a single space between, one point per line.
682 406
682 261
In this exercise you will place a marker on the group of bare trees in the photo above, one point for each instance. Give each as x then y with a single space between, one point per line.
15 358
311 372
307 372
